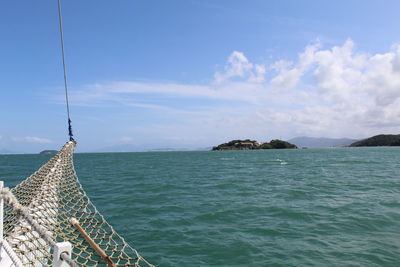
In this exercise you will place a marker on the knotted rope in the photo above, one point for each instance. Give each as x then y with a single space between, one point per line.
12 201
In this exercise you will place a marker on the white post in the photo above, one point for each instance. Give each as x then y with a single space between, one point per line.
8 256
57 250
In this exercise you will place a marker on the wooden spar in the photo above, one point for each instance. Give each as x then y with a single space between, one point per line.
91 242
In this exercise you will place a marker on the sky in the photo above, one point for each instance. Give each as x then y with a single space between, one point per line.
196 73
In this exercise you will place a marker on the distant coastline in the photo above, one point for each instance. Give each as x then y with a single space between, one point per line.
374 141
389 140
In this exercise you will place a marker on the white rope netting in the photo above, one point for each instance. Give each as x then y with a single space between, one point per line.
53 196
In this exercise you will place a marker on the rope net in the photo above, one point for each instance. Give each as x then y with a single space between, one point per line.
53 195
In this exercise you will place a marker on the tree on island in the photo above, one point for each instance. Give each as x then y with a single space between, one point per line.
379 140
277 144
248 144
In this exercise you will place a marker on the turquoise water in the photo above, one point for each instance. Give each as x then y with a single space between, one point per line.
332 207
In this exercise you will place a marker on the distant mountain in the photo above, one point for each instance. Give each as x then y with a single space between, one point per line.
166 149
322 142
139 148
123 148
379 140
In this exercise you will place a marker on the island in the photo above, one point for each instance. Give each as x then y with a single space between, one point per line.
248 144
379 140
48 152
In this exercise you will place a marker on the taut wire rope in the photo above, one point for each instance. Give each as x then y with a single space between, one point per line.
65 71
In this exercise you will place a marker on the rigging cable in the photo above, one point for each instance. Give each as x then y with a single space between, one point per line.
65 71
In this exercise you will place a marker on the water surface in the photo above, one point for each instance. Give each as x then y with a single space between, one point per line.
332 207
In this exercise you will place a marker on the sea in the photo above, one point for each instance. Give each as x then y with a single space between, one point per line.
304 207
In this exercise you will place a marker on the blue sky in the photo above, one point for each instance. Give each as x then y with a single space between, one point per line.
192 74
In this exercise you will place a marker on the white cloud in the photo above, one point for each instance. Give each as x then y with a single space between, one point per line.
333 92
240 67
288 77
31 139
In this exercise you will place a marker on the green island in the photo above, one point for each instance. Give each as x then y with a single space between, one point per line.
379 140
248 144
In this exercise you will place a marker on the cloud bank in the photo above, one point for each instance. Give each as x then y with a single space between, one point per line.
333 92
